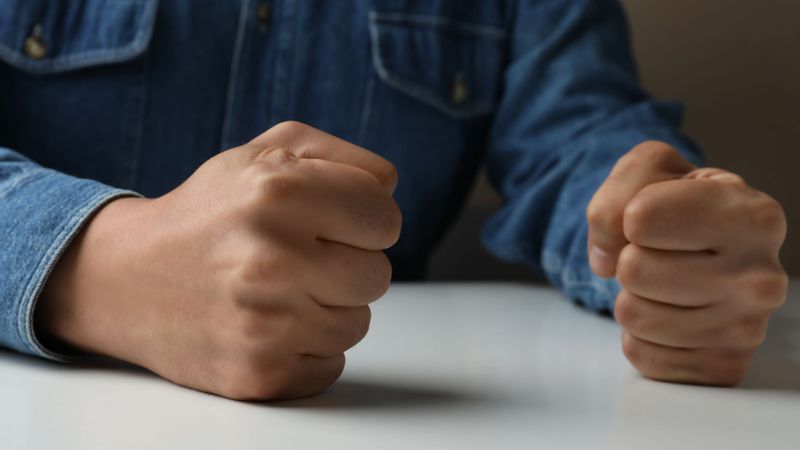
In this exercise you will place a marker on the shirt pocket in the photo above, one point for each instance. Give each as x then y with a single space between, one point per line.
74 77
53 36
450 65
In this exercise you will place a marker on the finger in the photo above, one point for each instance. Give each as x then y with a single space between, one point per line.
676 326
648 163
341 275
306 142
328 331
691 366
681 278
310 375
352 213
703 214
335 202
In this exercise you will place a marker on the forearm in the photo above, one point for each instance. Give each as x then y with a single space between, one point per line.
41 211
564 258
79 308
572 107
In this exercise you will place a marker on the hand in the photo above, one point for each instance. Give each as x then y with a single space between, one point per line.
249 280
696 253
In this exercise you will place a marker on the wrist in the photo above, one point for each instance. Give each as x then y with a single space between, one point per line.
78 309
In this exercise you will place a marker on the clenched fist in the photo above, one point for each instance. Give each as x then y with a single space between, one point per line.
249 280
696 253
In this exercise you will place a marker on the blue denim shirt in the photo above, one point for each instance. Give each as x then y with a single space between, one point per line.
102 98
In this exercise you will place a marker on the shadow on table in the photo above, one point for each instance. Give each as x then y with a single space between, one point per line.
350 394
776 366
90 363
344 394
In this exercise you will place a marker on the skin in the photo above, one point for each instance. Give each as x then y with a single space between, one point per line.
696 251
250 280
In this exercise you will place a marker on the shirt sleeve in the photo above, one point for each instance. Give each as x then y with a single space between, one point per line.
571 107
41 210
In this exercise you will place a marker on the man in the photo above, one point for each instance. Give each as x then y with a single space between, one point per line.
250 276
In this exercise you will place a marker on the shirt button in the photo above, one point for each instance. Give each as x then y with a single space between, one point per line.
460 92
263 15
35 48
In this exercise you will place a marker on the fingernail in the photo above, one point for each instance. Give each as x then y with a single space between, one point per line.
602 262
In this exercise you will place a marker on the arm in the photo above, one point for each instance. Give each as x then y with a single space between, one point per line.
694 251
250 280
572 106
41 211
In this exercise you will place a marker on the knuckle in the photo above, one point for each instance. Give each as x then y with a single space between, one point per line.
767 288
632 161
656 152
261 267
749 335
272 157
385 220
388 175
287 330
630 265
732 178
258 327
291 127
652 157
337 369
736 179
362 322
768 215
394 223
625 311
275 188
283 132
632 350
638 214
600 215
359 322
379 215
375 281
251 327
383 274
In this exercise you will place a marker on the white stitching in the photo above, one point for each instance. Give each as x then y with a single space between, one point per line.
366 111
234 74
440 22
87 58
63 238
26 176
420 93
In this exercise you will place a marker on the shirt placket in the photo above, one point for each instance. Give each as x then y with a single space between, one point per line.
259 90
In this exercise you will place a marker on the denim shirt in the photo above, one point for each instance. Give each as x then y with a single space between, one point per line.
103 98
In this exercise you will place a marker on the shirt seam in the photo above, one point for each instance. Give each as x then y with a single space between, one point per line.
233 76
36 282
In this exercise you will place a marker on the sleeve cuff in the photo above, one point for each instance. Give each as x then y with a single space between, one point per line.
42 217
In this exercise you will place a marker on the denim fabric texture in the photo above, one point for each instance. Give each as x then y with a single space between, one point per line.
130 97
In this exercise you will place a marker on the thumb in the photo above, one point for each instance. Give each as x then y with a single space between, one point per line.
648 163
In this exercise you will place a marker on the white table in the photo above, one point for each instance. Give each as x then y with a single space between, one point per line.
462 366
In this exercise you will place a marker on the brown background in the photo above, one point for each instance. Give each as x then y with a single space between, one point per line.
736 66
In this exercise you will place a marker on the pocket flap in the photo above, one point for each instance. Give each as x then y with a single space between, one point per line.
451 65
51 36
